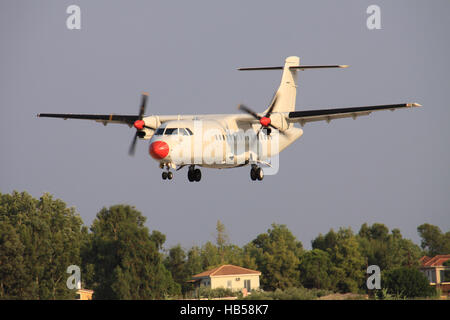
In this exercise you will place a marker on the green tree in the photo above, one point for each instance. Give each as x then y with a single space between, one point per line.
407 282
347 270
126 258
40 239
194 263
210 256
176 263
222 238
276 255
12 272
387 250
433 240
315 269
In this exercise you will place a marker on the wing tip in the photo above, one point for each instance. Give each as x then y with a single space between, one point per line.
414 104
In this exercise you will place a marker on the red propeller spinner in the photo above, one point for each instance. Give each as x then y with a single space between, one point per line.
265 121
139 124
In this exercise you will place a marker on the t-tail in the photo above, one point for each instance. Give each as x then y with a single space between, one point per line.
287 92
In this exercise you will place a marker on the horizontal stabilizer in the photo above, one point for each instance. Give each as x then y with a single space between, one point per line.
294 67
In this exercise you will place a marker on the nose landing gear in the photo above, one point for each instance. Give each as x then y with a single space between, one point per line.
256 173
194 174
166 175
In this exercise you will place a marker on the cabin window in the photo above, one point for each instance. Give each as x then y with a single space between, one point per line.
159 132
189 131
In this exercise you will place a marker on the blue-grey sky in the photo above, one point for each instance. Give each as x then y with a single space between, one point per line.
389 167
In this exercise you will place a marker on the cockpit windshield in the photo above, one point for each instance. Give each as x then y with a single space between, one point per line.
170 131
173 131
159 132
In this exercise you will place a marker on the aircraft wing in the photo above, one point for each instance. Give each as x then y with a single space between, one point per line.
303 117
103 118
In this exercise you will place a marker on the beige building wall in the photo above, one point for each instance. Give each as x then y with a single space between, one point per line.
235 282
85 294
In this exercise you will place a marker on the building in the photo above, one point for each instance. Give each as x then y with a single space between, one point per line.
84 294
436 272
229 277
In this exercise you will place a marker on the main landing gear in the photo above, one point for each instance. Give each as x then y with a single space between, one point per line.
256 173
194 174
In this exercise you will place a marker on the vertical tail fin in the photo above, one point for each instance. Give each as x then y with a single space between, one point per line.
287 91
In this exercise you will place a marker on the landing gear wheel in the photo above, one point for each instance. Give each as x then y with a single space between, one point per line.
253 174
164 175
191 175
256 173
259 174
194 174
197 175
169 175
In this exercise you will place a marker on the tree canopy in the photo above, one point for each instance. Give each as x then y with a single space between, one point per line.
433 240
39 239
407 282
126 258
121 259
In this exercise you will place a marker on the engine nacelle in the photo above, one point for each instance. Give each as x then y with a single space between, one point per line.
279 121
146 133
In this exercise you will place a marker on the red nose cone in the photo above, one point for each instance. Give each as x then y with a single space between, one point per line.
159 150
139 124
265 121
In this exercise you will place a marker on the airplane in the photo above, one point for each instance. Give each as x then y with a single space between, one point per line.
229 140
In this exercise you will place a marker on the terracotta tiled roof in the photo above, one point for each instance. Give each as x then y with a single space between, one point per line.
424 259
226 270
436 261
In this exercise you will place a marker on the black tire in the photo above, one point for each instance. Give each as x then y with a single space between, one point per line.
169 175
253 174
164 175
197 175
259 174
191 175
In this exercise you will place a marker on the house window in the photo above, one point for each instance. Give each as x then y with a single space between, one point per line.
445 275
229 284
433 276
247 285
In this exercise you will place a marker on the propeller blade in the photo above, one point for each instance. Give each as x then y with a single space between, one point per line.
249 111
133 145
272 105
141 124
143 105
280 131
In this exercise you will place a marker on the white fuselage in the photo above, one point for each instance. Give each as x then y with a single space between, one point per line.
216 141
